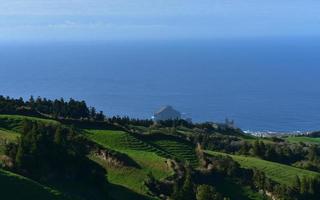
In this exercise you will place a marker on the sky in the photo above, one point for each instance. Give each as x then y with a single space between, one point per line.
37 20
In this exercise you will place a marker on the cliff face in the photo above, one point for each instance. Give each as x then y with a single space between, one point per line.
167 113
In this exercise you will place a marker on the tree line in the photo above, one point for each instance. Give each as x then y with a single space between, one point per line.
57 108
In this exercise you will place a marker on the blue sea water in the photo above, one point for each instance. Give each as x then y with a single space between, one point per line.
264 85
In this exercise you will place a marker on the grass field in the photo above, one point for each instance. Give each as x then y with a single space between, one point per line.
15 187
252 139
280 173
122 141
6 137
133 178
178 148
304 139
14 123
168 147
145 155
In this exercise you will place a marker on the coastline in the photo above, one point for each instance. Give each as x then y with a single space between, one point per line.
277 133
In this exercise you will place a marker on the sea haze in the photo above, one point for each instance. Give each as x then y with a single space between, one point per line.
264 85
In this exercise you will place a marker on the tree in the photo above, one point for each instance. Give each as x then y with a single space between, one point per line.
176 194
207 192
31 102
48 152
186 191
297 183
100 116
312 153
93 112
57 108
188 186
259 149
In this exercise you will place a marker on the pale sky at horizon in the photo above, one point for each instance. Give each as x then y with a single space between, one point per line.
156 19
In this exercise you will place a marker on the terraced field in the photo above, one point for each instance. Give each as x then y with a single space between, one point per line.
122 141
146 156
169 147
179 149
280 173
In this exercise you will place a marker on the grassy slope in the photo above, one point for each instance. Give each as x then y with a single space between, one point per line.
304 139
11 126
16 187
14 123
127 182
177 148
172 147
6 137
280 173
145 155
125 143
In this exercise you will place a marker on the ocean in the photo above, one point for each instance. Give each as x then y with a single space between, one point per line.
262 84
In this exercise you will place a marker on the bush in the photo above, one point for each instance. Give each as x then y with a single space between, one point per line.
207 192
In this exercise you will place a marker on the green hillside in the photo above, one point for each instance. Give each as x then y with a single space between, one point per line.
146 156
6 137
304 139
178 148
145 153
280 173
10 128
15 122
16 187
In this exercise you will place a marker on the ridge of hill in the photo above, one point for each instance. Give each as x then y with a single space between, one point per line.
283 174
28 189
